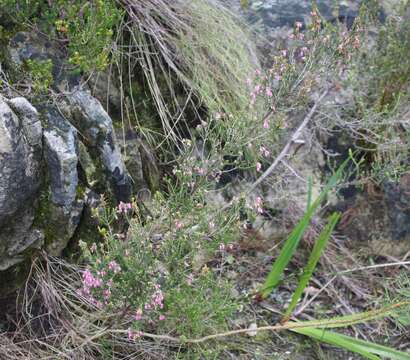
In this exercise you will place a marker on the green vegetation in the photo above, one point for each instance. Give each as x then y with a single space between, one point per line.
40 72
174 275
86 26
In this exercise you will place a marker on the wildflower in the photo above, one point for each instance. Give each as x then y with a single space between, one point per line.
257 72
158 299
162 317
133 335
266 124
298 24
264 151
258 166
190 279
107 293
114 267
269 92
284 53
89 281
123 208
178 224
258 205
211 225
221 247
93 248
138 314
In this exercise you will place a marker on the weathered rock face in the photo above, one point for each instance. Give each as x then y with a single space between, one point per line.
379 221
61 156
97 128
20 178
58 157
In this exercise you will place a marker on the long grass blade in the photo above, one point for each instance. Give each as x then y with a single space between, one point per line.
311 265
365 348
293 240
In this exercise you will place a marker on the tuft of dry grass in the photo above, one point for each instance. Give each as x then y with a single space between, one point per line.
195 47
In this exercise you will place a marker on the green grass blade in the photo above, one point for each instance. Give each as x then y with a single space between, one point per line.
293 240
311 265
365 348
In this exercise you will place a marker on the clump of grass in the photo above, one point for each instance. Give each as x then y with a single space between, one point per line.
197 44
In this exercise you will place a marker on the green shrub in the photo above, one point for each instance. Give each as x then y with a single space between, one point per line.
86 26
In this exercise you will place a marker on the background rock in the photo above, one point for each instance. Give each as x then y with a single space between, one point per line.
20 178
54 154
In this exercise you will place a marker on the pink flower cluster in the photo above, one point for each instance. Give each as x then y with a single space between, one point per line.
264 151
258 205
156 302
97 288
124 208
114 267
134 335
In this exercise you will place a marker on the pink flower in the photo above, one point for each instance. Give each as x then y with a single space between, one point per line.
264 151
258 205
284 53
93 248
211 225
258 166
269 92
138 315
178 224
158 299
123 208
298 24
107 293
221 247
114 267
133 335
162 317
266 124
190 279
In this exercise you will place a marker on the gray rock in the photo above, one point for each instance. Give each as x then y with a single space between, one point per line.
397 197
63 223
20 179
61 154
104 88
19 160
96 126
29 116
60 147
